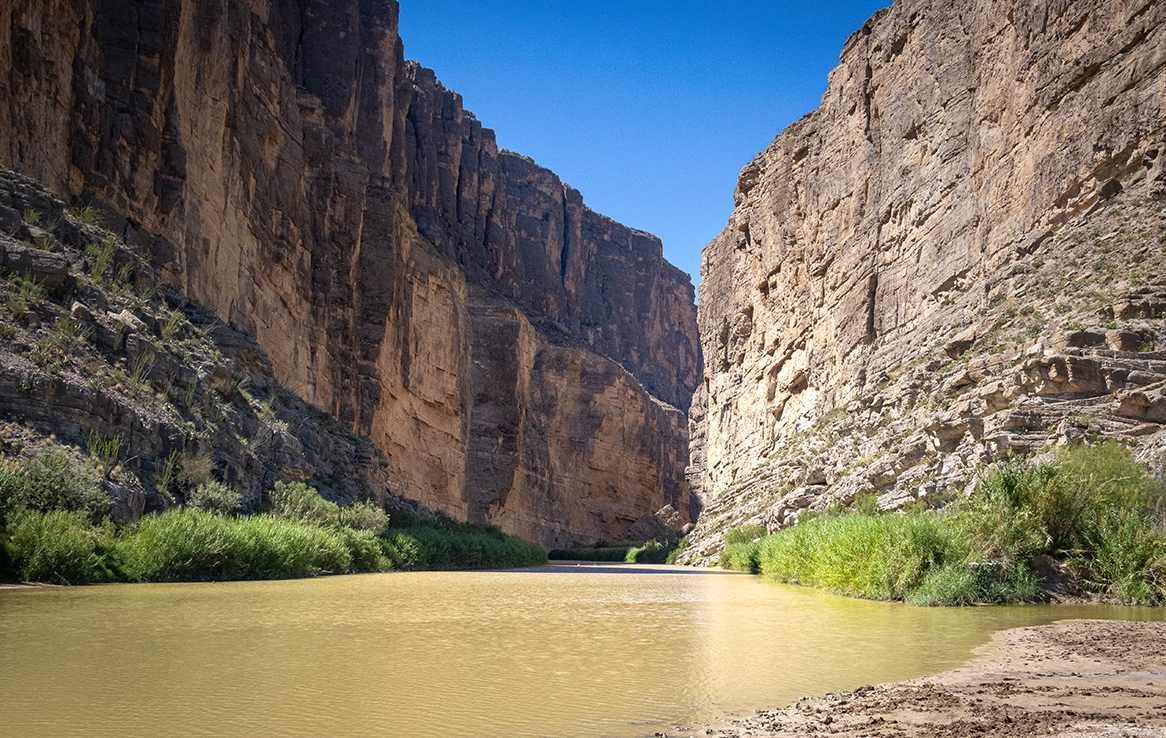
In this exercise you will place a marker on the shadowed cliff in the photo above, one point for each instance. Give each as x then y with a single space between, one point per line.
519 359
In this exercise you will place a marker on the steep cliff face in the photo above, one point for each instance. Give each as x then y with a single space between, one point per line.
284 165
955 144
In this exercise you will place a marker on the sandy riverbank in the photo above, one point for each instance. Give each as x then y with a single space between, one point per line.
1084 679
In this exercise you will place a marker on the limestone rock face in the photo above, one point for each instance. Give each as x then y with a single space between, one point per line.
954 141
284 165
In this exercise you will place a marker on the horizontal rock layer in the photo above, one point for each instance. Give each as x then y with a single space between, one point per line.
285 166
954 140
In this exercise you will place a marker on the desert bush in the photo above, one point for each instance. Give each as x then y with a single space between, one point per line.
195 469
298 501
57 346
366 516
216 497
104 453
54 480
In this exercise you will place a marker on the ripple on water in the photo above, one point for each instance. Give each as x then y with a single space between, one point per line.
560 651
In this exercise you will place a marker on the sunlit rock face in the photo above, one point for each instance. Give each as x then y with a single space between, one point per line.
287 167
955 141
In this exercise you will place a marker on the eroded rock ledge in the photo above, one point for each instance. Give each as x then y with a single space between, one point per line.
955 258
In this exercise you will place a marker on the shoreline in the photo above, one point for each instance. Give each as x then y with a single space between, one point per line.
1079 678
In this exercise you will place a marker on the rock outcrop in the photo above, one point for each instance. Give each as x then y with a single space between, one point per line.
286 167
97 356
955 258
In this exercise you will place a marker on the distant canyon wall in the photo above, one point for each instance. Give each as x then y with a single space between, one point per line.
520 359
952 138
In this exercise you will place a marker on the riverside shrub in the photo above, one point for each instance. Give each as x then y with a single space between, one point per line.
298 501
52 480
49 506
61 547
881 556
448 545
214 496
742 557
192 545
1093 506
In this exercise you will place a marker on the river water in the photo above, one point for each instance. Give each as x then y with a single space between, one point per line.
562 651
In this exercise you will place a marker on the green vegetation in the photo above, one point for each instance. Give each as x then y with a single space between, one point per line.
629 552
56 347
652 552
215 497
101 257
53 528
87 215
1093 507
51 480
444 544
599 552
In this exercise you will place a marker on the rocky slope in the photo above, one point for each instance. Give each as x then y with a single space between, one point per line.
98 356
283 164
957 257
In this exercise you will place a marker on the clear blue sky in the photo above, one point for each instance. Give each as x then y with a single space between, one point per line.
648 108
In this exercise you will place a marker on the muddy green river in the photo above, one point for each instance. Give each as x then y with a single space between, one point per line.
565 651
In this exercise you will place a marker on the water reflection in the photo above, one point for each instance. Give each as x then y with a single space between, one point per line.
562 651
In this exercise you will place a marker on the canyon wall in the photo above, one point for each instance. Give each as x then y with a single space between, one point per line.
954 145
283 164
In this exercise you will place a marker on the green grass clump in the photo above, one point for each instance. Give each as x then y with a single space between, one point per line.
745 556
58 345
364 516
60 547
745 534
192 545
86 214
742 548
297 501
882 557
1093 507
652 552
